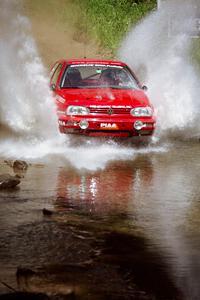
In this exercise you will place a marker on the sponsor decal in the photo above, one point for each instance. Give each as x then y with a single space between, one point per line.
109 126
96 65
68 123
60 112
60 99
62 123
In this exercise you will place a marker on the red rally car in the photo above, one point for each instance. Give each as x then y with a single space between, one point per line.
100 98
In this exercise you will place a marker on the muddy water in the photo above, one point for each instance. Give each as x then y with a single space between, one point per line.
153 197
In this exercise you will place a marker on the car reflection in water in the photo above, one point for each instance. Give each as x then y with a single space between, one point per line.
109 197
108 191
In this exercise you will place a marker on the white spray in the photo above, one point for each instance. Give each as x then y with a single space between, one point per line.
26 106
159 50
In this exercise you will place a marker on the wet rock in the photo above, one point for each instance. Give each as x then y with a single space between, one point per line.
23 276
20 165
24 272
47 212
19 176
45 281
8 181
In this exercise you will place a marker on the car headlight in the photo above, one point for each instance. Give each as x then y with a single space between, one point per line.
142 112
77 110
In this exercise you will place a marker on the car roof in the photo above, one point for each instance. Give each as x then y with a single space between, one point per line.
94 61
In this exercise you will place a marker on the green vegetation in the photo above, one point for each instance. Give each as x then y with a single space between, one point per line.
195 54
196 51
108 20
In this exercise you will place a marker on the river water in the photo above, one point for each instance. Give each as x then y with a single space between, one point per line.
154 194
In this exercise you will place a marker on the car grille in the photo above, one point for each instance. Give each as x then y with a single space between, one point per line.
110 111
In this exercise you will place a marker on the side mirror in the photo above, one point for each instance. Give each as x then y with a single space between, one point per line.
53 87
145 88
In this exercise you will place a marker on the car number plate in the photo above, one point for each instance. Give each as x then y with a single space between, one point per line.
109 126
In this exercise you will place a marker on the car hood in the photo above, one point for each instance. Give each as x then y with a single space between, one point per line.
90 97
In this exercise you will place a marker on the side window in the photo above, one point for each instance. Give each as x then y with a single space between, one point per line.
53 69
56 74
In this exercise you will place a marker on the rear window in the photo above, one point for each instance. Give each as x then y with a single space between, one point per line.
98 76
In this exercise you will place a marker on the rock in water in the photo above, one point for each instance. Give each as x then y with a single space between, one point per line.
7 181
20 165
47 212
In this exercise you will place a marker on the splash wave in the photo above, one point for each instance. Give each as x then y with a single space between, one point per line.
163 60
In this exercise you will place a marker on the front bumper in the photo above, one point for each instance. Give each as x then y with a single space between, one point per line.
106 126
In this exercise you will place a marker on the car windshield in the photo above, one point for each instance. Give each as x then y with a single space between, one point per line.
98 76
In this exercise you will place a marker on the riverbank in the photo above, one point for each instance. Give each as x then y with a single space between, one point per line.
56 32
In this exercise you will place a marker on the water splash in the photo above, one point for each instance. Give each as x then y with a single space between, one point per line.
90 156
162 57
28 125
26 107
26 104
27 115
